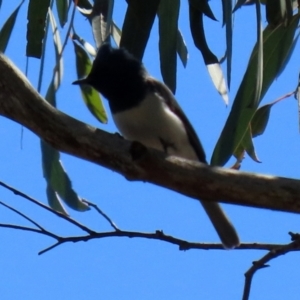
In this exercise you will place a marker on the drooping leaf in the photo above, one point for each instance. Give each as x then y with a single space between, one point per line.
277 44
59 181
168 12
87 46
239 4
218 80
278 11
137 25
101 18
197 30
58 70
116 33
259 43
36 16
202 6
7 28
289 54
182 48
54 201
90 96
211 61
227 21
62 11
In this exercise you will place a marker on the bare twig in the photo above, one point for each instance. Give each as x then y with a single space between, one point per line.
19 193
103 214
22 215
183 245
25 228
262 263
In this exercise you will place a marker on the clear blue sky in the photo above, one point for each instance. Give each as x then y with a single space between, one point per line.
122 268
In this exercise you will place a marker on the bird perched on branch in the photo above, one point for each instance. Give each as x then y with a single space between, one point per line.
145 110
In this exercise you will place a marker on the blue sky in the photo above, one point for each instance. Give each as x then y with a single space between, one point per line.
122 268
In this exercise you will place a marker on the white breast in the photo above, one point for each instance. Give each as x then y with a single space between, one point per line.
152 122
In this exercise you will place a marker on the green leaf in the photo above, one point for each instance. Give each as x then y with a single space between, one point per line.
197 30
54 200
62 11
168 12
203 7
7 28
247 144
260 119
56 177
87 46
239 4
259 73
58 70
182 48
227 21
278 11
90 96
101 18
137 25
37 14
277 45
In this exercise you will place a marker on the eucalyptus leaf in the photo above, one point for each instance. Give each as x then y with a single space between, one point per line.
7 28
58 70
182 48
137 25
57 179
168 13
218 80
62 11
227 21
276 48
36 16
239 4
116 33
90 96
203 7
101 18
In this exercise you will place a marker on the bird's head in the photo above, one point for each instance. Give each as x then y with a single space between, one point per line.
114 72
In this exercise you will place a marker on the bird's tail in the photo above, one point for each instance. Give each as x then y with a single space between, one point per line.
223 226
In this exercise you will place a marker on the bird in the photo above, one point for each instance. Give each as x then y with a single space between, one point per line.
145 110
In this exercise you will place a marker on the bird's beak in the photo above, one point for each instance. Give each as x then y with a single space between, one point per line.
81 81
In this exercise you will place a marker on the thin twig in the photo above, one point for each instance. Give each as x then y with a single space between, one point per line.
159 235
60 215
25 228
103 214
22 215
262 263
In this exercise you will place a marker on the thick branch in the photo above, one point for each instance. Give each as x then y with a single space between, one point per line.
21 103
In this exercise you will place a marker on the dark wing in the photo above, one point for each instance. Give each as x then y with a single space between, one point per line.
165 92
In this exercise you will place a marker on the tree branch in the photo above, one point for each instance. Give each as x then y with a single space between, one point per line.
21 103
262 263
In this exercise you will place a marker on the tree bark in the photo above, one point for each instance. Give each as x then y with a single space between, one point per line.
20 102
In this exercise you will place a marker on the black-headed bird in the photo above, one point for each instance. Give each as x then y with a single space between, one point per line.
145 110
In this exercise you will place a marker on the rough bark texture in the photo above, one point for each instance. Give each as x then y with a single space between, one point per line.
25 106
